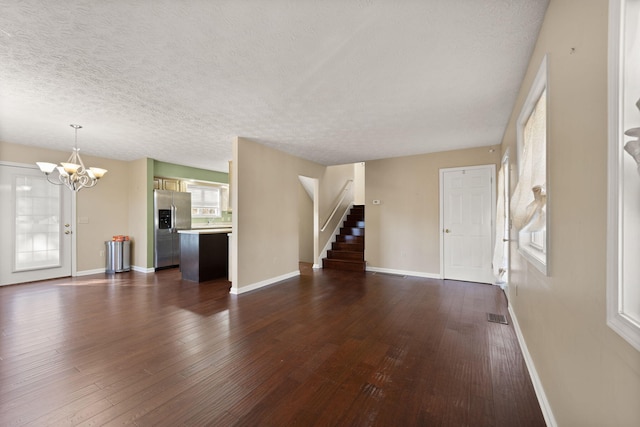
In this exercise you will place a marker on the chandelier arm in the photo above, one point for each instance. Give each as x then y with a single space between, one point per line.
64 180
92 182
83 180
48 175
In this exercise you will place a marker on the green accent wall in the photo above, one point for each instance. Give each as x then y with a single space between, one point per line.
169 170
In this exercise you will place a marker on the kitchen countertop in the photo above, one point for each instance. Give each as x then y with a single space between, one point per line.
206 231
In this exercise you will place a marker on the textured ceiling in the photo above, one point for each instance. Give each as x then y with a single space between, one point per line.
335 81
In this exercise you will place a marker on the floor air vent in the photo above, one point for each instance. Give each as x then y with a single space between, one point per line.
402 276
497 318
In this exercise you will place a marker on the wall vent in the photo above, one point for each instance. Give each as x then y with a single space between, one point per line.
401 276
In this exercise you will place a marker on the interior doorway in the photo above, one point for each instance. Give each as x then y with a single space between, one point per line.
467 212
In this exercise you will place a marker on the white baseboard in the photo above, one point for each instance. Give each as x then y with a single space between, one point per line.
102 270
263 283
404 272
535 379
143 269
89 272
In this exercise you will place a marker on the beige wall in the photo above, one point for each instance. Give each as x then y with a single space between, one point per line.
358 180
104 207
305 225
266 212
403 231
137 212
590 375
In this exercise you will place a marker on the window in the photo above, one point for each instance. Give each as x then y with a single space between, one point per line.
529 200
205 201
623 222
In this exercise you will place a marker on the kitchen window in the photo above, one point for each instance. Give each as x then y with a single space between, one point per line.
205 201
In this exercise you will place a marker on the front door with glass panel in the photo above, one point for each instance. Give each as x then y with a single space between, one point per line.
35 225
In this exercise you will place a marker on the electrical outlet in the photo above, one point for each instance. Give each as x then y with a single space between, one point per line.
102 253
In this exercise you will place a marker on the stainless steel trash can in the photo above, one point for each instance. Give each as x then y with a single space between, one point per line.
126 255
118 256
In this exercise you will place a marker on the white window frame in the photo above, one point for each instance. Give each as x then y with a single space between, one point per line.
202 209
528 244
623 277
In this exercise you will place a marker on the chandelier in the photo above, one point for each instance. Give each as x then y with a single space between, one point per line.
72 173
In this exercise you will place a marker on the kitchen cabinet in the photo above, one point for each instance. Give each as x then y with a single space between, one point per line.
169 184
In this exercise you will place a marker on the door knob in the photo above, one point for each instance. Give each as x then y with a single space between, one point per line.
66 225
67 232
446 230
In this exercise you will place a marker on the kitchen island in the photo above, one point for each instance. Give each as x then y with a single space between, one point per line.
204 254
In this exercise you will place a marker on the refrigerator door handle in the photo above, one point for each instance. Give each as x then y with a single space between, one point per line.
174 211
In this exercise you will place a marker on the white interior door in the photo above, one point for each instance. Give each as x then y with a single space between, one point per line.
467 212
35 225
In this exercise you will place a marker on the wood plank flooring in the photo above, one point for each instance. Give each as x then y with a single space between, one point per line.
328 348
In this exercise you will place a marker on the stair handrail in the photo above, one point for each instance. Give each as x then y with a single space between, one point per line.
344 193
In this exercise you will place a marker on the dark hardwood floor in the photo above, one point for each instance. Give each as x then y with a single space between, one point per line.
328 348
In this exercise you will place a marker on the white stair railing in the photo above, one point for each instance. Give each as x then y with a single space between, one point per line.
344 194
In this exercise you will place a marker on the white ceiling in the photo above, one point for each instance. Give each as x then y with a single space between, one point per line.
335 81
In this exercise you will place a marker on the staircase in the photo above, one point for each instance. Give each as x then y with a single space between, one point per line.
347 252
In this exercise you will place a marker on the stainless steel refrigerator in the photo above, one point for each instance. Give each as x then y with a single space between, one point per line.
172 212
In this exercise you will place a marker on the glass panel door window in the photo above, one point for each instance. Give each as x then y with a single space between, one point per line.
37 223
